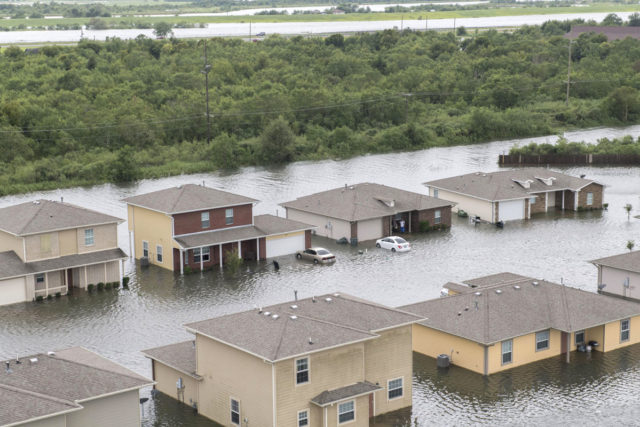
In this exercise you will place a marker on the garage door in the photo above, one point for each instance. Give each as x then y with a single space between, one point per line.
12 291
513 209
285 245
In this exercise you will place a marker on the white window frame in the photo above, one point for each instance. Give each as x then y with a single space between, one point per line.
145 248
548 340
435 193
532 200
353 402
308 370
89 239
437 216
39 278
589 198
228 219
159 254
401 395
231 411
204 220
575 337
510 352
305 411
206 254
623 330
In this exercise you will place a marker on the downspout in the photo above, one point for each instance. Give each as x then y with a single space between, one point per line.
273 392
326 423
486 360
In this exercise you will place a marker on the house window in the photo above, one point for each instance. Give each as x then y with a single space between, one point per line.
145 249
624 330
88 237
39 278
394 388
303 418
205 254
507 352
579 337
204 219
159 253
532 200
438 217
235 412
542 340
302 371
346 412
435 192
228 216
589 199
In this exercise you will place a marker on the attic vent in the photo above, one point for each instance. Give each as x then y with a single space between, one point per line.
516 287
310 340
33 360
51 353
293 317
328 299
336 295
294 306
388 202
534 283
525 183
36 202
275 317
267 313
547 181
498 291
478 294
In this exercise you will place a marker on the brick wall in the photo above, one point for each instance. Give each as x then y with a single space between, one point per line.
430 215
307 240
597 191
191 222
539 205
568 200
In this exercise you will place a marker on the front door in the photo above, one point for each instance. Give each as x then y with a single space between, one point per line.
69 279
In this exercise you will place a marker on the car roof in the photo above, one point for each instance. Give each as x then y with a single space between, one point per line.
317 248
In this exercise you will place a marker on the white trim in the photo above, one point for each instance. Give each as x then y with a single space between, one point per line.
113 393
159 252
24 249
401 388
252 202
355 396
308 417
231 411
338 413
44 417
182 371
295 371
502 353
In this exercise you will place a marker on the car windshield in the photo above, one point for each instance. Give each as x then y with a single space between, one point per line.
323 252
400 240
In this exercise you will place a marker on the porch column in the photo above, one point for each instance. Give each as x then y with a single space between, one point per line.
86 283
131 251
64 279
568 347
105 273
562 199
201 262
409 222
546 202
220 253
120 271
181 261
258 248
239 249
575 200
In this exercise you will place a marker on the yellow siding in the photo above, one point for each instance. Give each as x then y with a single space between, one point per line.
283 236
328 370
524 351
596 334
68 241
155 228
471 205
612 334
386 358
362 414
228 372
104 237
464 353
42 246
166 379
9 242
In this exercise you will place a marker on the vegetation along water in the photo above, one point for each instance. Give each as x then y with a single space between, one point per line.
122 110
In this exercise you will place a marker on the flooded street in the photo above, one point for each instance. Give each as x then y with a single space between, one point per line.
118 324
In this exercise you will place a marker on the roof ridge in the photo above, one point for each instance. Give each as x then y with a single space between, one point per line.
40 205
373 304
282 330
75 362
327 322
182 188
40 395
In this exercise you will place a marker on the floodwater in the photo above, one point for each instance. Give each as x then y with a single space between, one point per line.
290 28
555 246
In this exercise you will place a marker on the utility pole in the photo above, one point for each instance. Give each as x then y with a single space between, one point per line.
401 22
205 71
249 30
568 73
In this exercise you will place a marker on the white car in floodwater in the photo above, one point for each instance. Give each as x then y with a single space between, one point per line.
394 243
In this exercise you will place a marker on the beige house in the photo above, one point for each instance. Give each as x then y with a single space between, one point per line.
49 247
619 275
330 360
498 322
69 388
517 194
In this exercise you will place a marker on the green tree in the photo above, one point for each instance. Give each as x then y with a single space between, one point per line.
162 29
124 168
634 20
623 103
277 142
630 245
612 19
628 207
223 152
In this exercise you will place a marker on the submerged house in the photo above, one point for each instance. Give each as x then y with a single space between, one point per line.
494 323
69 388
368 211
197 227
619 275
49 247
517 194
329 360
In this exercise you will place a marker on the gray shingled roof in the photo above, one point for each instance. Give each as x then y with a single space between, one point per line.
611 32
12 266
332 396
264 225
364 201
495 280
501 185
629 261
492 317
41 216
180 356
187 198
341 320
60 382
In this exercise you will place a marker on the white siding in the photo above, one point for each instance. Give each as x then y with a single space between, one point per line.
13 291
615 279
121 410
285 244
370 229
328 227
471 205
511 210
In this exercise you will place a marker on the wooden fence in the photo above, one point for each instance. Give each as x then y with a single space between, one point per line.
569 159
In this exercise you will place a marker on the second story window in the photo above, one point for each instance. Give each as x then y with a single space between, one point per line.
228 216
88 237
435 192
302 371
204 219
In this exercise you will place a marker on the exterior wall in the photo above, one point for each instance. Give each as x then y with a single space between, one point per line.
388 357
59 421
37 249
464 353
307 241
369 229
614 279
337 230
612 334
226 372
524 351
9 242
122 410
471 205
597 191
430 215
191 222
328 370
569 200
596 334
540 205
505 208
278 247
95 273
166 379
331 414
68 240
104 237
155 228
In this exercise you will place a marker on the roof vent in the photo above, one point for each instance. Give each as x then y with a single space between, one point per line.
535 283
524 183
516 287
328 299
51 353
466 309
33 360
36 202
293 317
275 317
267 313
459 313
313 299
259 310
336 295
294 306
8 369
478 294
498 291
310 340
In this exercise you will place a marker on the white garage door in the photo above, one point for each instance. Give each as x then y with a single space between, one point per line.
513 209
12 291
278 246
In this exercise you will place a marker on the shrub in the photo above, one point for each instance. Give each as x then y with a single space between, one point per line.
39 298
58 294
233 261
187 269
125 281
90 287
49 296
107 285
116 285
424 226
100 286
